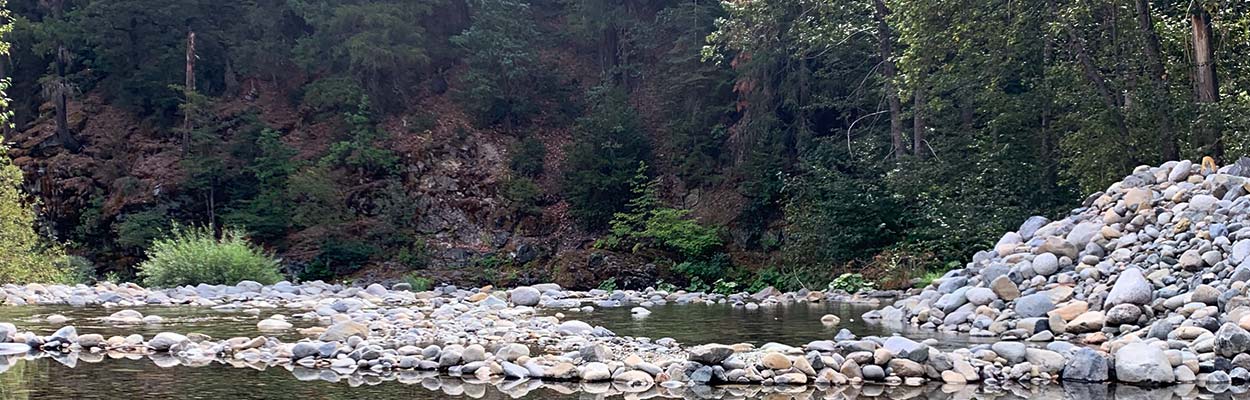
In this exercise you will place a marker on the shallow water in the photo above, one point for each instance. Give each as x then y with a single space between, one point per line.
182 319
101 377
45 378
793 324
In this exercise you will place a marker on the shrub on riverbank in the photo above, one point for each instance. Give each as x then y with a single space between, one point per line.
24 255
190 256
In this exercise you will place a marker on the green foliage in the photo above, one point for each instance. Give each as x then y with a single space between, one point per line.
24 256
191 256
725 287
851 283
414 256
418 283
138 230
608 285
663 286
332 95
527 157
339 257
607 147
769 276
376 42
363 151
647 224
704 270
826 194
266 215
504 80
523 196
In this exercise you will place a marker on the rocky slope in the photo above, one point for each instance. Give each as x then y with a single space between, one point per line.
1152 270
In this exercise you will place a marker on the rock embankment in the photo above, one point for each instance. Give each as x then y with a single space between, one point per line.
1148 280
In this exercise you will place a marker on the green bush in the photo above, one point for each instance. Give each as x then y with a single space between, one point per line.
189 256
600 163
332 95
608 285
523 196
647 224
527 157
24 255
137 230
419 283
708 269
851 283
415 255
339 257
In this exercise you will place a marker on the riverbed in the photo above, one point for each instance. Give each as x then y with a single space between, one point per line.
84 375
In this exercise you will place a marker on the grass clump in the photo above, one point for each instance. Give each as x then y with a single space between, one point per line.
191 256
419 283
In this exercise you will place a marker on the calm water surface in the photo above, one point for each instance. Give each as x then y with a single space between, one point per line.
100 377
792 324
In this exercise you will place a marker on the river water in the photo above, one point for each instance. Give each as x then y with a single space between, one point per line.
103 377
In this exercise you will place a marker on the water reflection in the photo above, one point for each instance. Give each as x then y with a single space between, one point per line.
792 324
101 376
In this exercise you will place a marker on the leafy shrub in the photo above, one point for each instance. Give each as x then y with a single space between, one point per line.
647 224
601 161
663 286
332 95
190 256
419 283
138 230
523 196
707 270
766 277
851 283
725 287
527 157
364 150
76 269
339 257
24 255
608 285
414 256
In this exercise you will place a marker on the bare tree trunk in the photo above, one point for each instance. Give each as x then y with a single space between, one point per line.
1158 77
189 88
1204 53
919 146
889 71
1206 84
1205 81
61 98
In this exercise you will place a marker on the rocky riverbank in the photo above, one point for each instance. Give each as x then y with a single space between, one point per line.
1148 279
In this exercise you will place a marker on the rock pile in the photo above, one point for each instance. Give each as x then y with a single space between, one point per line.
1153 271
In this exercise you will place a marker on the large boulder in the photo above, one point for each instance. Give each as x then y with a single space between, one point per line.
1142 362
1086 365
1034 305
1231 340
343 330
525 296
1131 287
710 354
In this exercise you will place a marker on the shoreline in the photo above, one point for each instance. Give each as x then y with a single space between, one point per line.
488 334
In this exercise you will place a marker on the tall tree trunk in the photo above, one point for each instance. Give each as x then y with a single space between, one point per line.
889 71
190 89
61 98
1206 84
1158 77
919 147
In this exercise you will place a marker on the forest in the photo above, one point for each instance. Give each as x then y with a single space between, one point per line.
710 145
